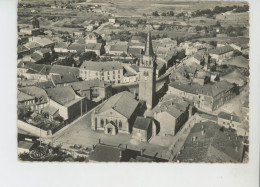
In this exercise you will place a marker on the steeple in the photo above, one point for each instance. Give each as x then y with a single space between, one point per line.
149 46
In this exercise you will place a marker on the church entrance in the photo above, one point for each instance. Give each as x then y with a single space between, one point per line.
110 128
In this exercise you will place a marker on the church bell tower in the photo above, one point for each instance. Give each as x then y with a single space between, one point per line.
147 71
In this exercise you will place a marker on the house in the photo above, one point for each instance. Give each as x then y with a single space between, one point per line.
25 100
36 57
25 147
30 31
242 47
63 75
143 129
117 114
98 48
130 77
137 39
221 53
32 46
39 95
50 112
23 52
90 28
190 92
61 47
201 77
76 48
171 114
207 97
206 142
112 20
32 71
118 49
240 62
135 51
93 89
92 38
135 45
43 42
235 77
107 71
229 120
107 153
69 105
131 74
214 96
78 34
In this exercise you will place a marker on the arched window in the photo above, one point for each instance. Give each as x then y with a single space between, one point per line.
120 124
102 123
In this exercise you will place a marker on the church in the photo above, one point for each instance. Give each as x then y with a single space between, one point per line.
119 112
147 69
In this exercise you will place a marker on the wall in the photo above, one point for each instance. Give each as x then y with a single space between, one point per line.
167 123
63 111
32 129
139 134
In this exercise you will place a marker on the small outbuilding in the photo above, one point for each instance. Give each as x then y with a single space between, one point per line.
142 129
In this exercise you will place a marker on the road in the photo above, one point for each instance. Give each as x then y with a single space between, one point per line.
179 139
101 27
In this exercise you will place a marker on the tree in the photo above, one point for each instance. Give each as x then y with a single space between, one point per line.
163 14
171 13
35 23
218 24
123 55
69 61
214 43
90 55
155 13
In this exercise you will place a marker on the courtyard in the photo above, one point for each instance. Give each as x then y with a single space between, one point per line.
82 134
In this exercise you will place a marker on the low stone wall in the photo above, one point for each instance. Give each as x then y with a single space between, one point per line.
32 129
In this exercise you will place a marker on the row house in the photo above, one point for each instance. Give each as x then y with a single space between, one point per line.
93 89
221 54
98 48
108 71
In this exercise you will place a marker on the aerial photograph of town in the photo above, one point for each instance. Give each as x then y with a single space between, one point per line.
133 81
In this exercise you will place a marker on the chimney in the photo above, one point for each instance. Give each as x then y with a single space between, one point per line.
93 147
99 141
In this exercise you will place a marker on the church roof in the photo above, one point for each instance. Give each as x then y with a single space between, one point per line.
148 46
123 102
